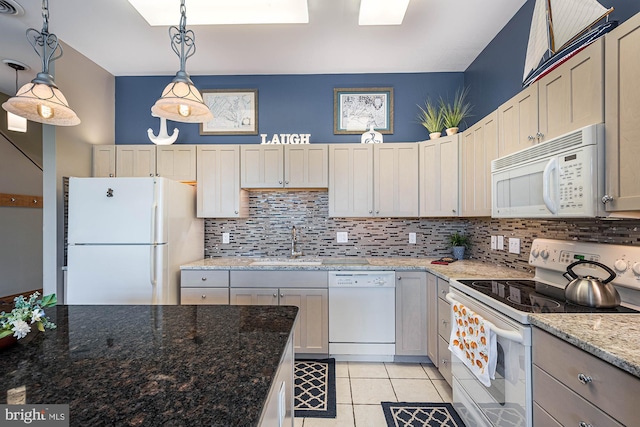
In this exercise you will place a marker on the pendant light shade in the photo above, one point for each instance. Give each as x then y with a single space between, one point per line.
41 100
181 101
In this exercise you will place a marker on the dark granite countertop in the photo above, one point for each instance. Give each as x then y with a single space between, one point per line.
153 365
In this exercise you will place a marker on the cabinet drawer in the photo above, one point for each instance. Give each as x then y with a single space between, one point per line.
205 296
565 406
444 319
204 278
542 419
443 288
279 279
610 389
445 359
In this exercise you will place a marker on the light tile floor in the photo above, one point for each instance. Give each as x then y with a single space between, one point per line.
361 386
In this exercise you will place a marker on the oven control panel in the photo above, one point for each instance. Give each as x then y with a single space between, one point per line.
556 255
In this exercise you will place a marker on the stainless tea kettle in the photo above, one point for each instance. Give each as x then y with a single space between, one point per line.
591 291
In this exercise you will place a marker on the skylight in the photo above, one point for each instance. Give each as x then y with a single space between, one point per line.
382 12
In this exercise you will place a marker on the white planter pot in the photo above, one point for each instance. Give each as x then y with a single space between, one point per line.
434 135
451 131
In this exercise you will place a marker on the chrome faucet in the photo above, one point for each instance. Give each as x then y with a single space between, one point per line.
294 241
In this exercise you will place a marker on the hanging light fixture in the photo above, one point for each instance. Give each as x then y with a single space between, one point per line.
41 100
181 101
16 123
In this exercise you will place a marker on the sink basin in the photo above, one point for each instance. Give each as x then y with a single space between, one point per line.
286 262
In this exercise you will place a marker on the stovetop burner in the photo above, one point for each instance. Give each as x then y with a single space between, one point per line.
532 296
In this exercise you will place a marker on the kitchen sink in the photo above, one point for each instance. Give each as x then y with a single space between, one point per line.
285 262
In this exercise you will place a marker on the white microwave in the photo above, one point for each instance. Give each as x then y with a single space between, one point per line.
559 178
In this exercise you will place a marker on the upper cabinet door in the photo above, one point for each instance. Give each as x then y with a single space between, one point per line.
177 162
262 166
104 161
135 160
518 120
306 166
396 190
350 180
219 193
439 177
623 116
572 96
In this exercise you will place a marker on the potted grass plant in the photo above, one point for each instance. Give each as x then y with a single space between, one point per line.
453 114
459 242
431 117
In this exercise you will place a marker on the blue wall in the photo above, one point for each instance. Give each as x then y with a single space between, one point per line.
496 74
286 104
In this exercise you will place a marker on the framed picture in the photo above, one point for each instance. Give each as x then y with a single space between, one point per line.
355 110
235 112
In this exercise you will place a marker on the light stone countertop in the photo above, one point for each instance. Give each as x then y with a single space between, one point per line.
464 269
614 338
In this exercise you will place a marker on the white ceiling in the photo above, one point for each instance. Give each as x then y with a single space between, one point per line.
436 35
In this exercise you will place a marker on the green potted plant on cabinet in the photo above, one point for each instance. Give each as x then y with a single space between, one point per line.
459 242
453 114
431 117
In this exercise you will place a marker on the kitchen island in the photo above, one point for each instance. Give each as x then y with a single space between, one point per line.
157 365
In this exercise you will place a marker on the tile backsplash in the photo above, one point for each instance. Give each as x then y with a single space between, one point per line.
267 232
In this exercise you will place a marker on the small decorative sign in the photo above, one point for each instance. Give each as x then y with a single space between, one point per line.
286 138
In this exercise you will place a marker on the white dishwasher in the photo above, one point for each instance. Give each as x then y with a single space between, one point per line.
362 315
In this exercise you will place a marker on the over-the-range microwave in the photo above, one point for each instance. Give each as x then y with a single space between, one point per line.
559 178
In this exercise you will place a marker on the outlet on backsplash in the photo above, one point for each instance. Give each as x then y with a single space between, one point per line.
226 237
342 237
412 238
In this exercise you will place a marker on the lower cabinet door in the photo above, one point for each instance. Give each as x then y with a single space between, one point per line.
204 296
312 328
445 359
253 296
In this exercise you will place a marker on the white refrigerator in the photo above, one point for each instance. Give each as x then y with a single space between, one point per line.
127 238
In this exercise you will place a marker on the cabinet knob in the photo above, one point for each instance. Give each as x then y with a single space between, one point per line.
444 322
584 379
281 295
377 212
583 424
286 182
399 277
204 279
279 182
204 296
110 175
370 211
453 210
275 295
540 135
531 137
236 212
606 199
444 361
150 174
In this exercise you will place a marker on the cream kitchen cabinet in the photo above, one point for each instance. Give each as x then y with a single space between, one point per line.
574 388
218 192
411 313
373 180
307 290
284 166
432 318
177 162
439 177
622 128
204 287
566 99
479 147
104 161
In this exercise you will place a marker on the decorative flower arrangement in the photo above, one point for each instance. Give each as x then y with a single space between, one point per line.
27 312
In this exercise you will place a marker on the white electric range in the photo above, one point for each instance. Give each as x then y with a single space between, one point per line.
506 303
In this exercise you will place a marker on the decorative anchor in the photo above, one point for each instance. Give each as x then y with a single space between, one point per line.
163 137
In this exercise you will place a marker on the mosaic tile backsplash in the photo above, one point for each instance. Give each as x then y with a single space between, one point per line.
267 232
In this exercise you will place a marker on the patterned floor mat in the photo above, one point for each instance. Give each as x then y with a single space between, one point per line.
407 414
315 388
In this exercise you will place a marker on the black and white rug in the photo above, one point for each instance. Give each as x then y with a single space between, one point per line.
408 414
315 388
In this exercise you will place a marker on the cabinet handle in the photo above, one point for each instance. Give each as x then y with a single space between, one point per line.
584 379
370 211
531 137
204 296
444 361
236 212
540 135
286 182
279 182
110 175
606 199
150 174
281 295
453 210
583 424
275 295
444 322
204 279
399 277
377 212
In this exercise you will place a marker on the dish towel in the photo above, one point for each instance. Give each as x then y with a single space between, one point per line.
473 342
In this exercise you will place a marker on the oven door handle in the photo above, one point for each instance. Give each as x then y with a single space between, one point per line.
510 335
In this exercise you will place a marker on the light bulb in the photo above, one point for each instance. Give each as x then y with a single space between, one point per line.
45 111
184 110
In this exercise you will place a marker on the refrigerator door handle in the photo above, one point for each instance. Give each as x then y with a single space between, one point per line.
153 275
154 222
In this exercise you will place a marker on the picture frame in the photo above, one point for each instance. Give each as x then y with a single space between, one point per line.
355 109
235 112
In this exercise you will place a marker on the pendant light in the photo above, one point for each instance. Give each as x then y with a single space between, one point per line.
41 100
16 123
181 101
